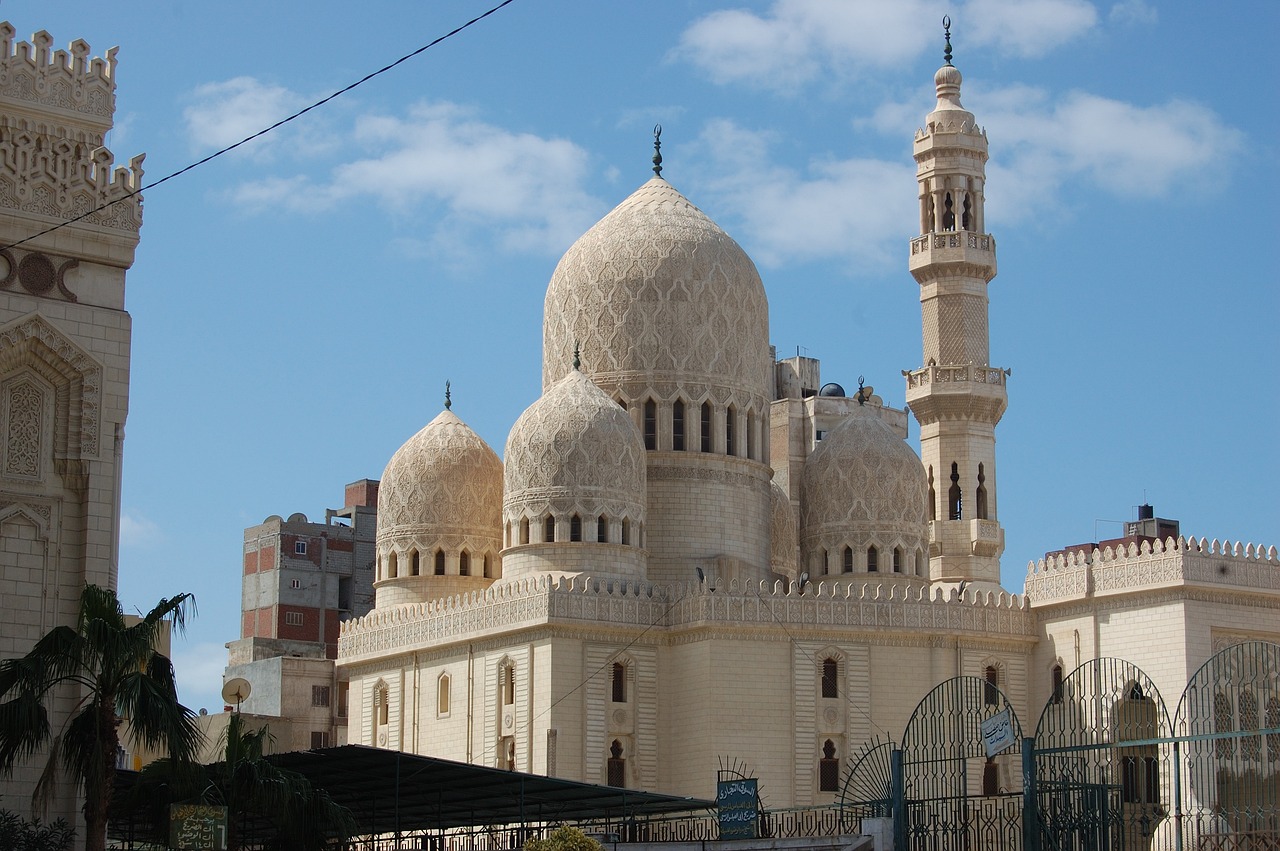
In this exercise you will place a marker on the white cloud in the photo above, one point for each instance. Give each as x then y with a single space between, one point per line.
857 208
137 531
527 188
226 112
797 41
1133 12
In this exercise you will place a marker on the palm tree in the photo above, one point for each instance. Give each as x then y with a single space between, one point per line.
280 806
112 670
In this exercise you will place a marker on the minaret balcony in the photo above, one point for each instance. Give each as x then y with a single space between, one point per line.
957 390
955 248
982 538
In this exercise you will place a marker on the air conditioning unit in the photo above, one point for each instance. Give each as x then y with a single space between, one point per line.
507 721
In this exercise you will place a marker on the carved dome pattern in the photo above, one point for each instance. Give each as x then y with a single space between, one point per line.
574 449
444 483
654 292
783 535
863 484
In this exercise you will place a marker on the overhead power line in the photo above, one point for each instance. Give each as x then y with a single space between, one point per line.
265 130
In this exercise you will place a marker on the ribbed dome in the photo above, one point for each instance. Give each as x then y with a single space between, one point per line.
863 485
444 481
783 538
656 290
574 449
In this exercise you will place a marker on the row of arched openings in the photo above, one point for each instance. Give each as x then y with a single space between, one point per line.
898 561
413 564
686 427
955 496
600 529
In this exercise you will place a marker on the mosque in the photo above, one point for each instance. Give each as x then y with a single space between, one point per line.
692 554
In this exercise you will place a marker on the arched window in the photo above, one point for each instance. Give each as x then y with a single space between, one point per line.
381 713
442 695
829 768
575 528
820 568
524 530
991 686
830 678
549 530
414 564
920 563
980 507
464 563
965 219
507 683
391 566
955 510
706 426
1055 679
873 559
439 562
618 682
677 425
933 497
650 424
602 529
1224 722
897 559
626 531
730 433
617 766
1250 746
848 559
488 566
948 213
751 435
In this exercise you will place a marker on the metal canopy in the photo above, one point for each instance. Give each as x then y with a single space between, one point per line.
389 791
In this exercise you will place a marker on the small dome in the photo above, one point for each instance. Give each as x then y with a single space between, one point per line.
444 482
574 450
657 289
863 486
832 389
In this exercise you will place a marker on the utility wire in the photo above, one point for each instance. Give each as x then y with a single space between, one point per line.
264 131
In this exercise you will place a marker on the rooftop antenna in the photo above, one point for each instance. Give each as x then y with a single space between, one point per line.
448 399
946 29
657 149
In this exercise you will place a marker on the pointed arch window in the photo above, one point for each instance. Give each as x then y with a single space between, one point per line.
575 528
948 213
1055 679
650 424
966 213
618 682
507 683
415 566
677 425
897 559
617 768
626 531
955 511
873 559
464 563
602 529
991 686
848 559
751 435
488 566
439 562
391 566
730 433
933 497
549 530
829 768
830 678
442 695
706 427
980 500
524 530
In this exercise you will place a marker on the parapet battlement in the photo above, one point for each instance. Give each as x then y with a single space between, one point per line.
58 80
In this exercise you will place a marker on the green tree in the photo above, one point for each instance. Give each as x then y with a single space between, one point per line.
111 670
253 790
18 834
564 838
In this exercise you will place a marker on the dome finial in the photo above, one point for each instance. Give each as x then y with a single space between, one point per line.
577 357
657 149
946 29
862 396
448 400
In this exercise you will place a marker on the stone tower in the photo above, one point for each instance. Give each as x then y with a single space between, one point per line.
64 342
957 397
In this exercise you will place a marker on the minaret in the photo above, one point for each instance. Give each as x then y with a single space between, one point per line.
957 397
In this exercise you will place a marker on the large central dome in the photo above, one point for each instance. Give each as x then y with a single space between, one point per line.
656 292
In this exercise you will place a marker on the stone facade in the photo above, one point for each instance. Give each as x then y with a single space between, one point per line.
64 343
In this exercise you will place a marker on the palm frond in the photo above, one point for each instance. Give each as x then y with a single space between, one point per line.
24 729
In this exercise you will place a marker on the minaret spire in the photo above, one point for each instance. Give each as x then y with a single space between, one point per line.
448 399
957 397
657 149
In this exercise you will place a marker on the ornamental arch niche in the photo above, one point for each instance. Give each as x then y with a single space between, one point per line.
31 345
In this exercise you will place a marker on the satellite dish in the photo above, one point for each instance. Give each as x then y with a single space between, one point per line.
236 690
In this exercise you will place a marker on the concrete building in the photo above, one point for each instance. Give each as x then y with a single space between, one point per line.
64 343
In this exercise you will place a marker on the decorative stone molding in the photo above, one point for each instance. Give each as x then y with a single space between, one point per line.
32 342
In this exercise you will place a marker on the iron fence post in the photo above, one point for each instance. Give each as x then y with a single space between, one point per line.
897 790
1030 801
1177 797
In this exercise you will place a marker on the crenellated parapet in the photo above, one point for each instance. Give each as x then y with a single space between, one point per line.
1134 566
55 108
676 610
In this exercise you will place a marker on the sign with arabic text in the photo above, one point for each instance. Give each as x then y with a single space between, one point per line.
997 732
197 828
736 801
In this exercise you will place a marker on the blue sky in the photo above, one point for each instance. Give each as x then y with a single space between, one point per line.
299 304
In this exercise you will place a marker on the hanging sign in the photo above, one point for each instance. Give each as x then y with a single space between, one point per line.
997 732
736 801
